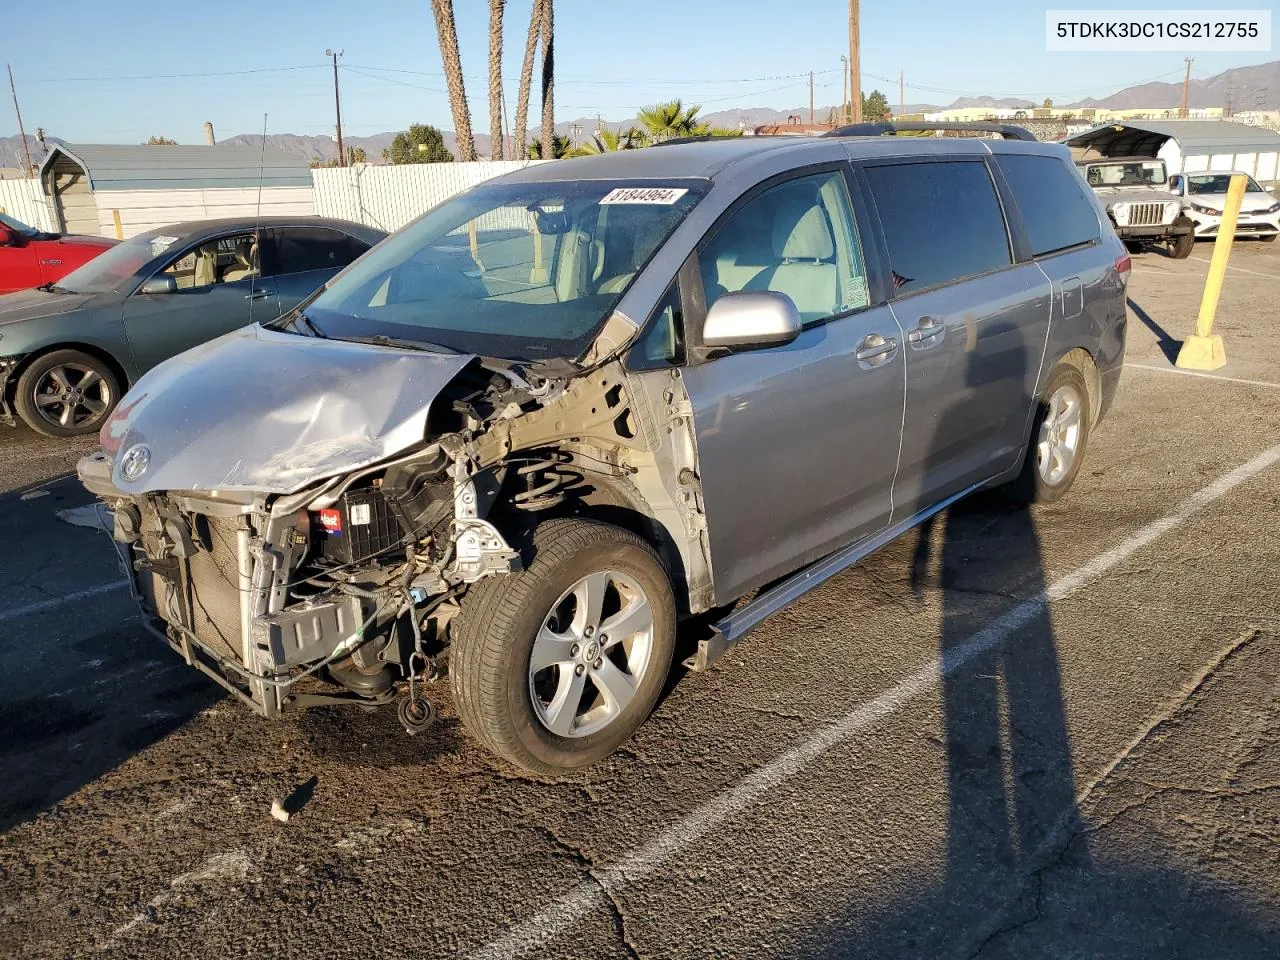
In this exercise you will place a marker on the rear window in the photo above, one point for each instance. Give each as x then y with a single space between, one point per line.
942 222
1055 208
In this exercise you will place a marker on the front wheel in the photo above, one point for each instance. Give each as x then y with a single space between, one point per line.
554 667
1180 247
66 393
1059 437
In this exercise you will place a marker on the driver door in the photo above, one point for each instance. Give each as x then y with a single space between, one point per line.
798 443
217 287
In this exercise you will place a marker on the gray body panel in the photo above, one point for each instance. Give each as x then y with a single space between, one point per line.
797 447
257 410
969 390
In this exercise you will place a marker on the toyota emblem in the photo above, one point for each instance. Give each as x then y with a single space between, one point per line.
135 461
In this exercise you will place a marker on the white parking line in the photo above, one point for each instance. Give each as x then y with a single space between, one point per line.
1203 376
532 933
1269 276
13 613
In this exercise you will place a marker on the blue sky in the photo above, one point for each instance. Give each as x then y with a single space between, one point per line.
612 56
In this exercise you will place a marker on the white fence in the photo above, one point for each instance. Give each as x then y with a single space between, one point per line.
386 197
21 199
389 197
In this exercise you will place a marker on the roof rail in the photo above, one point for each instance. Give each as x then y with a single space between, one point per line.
1006 130
700 139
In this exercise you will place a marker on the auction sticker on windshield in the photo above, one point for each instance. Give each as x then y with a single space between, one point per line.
664 196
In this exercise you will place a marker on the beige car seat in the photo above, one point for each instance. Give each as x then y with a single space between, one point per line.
246 264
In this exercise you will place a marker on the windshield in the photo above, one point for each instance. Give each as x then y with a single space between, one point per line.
17 226
114 270
1218 183
523 271
1132 173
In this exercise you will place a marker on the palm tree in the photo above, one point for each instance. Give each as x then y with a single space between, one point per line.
560 148
608 141
495 78
548 79
526 78
663 121
447 32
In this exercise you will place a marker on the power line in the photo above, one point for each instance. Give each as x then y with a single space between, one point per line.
595 81
403 83
177 76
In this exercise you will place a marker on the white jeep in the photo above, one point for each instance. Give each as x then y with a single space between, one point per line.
1134 191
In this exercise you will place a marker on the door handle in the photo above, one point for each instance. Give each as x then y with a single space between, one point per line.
928 332
257 294
875 350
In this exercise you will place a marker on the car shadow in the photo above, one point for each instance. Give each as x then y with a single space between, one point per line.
1016 873
1168 345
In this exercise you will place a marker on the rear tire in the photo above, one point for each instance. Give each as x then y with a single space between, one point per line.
1269 238
590 693
1059 439
66 393
1180 247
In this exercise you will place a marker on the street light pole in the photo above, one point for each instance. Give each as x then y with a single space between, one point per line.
337 105
855 74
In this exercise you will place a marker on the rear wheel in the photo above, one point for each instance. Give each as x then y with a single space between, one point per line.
1059 437
1268 238
554 667
1180 247
66 393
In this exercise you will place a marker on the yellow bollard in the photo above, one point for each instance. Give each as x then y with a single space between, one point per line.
1203 350
115 216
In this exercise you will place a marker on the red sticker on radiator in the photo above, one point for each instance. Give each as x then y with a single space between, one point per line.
331 520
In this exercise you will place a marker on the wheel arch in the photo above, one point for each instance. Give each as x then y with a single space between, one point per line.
98 353
1084 361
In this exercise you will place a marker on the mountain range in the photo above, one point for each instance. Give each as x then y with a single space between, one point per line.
1242 88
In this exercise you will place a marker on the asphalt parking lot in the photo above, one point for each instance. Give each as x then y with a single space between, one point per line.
1019 734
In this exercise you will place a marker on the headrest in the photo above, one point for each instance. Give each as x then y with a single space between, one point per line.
800 231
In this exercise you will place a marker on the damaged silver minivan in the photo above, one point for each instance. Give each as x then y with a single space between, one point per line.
526 436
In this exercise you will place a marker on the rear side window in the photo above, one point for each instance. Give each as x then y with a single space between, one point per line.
299 249
1055 208
942 222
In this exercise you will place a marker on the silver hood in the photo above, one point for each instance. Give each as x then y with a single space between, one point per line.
272 412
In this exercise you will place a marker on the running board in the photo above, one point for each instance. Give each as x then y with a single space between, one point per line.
728 631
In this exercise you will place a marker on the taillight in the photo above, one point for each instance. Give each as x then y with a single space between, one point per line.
1123 264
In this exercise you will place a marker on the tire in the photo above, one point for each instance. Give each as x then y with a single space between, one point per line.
1180 247
1035 484
91 387
1269 238
511 709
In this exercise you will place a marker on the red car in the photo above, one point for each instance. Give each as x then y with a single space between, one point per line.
30 258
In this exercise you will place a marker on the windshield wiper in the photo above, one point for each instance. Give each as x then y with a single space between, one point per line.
311 325
382 340
52 288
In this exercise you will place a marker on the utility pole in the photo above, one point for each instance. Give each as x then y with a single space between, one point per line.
845 112
1186 89
22 134
902 100
337 105
811 96
855 77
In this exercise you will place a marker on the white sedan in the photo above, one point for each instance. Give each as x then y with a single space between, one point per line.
1204 195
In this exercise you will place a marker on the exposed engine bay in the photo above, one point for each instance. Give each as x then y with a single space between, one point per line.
343 591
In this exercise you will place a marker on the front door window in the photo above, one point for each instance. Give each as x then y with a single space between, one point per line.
221 260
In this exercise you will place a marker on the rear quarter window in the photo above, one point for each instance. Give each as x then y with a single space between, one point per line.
942 222
1055 205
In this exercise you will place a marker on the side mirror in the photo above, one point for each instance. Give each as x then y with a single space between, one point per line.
162 283
751 318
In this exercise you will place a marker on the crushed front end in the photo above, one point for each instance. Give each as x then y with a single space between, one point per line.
332 595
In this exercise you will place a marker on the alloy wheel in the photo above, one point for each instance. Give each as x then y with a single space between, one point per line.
72 395
1060 432
591 654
